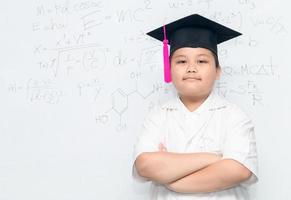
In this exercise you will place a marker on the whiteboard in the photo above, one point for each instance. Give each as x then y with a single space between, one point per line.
77 78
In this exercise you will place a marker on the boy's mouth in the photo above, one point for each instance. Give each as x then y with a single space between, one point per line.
192 78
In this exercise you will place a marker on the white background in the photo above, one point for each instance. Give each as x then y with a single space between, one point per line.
77 78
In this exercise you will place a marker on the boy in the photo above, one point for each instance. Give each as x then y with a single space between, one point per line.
198 145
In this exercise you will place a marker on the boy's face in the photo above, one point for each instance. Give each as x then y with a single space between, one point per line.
193 71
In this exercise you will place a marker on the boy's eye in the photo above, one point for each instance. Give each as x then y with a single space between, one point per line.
202 61
181 61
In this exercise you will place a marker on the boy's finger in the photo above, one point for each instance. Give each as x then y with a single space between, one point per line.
162 147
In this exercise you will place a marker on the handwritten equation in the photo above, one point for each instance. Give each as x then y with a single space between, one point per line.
96 51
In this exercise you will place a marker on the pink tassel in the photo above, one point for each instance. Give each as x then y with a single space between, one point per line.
167 70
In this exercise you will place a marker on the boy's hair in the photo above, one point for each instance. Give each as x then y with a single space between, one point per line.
216 60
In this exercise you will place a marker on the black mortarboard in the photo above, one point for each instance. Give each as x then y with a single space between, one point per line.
192 31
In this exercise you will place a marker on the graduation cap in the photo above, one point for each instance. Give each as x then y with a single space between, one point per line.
191 31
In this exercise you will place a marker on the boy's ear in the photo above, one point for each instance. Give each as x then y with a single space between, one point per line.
218 72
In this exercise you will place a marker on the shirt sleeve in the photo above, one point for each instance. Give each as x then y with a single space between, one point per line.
148 140
240 143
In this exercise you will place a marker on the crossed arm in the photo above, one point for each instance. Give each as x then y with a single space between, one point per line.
191 172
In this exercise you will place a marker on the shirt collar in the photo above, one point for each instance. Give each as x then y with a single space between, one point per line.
212 102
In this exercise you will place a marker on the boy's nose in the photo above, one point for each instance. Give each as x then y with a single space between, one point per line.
191 69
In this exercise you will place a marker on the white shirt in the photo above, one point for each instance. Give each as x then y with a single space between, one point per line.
216 126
